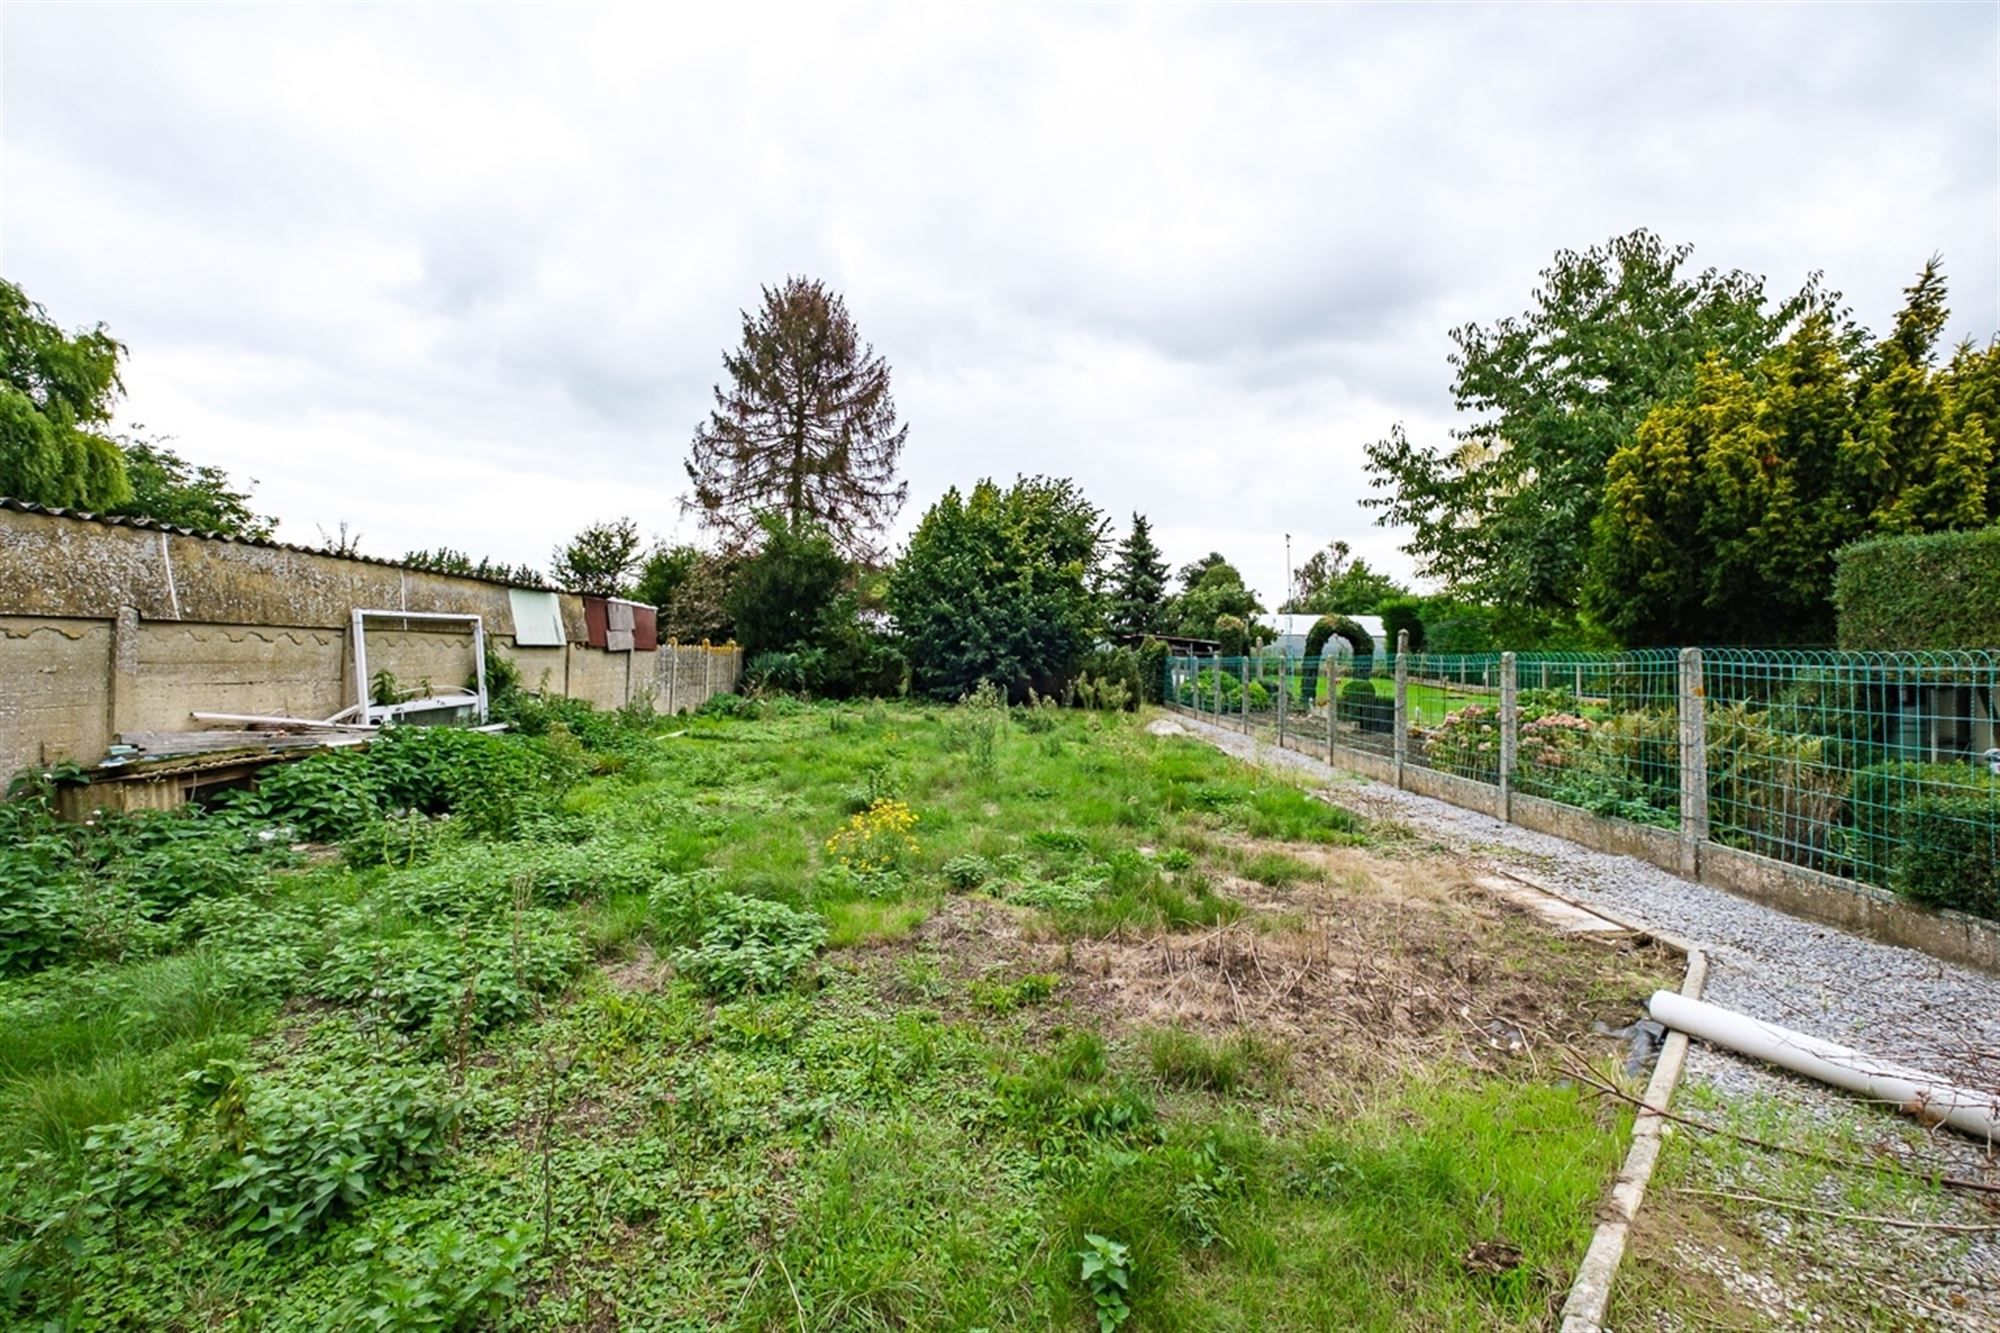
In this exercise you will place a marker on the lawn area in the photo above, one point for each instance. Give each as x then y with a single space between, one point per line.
795 1016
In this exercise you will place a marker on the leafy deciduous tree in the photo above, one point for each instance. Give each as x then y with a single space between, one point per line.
997 586
1721 518
1503 513
1211 588
449 560
169 489
599 560
1334 581
806 429
55 388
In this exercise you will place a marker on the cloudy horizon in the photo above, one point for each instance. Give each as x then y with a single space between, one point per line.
464 276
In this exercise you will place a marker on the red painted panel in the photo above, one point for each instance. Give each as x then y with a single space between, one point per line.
645 629
596 621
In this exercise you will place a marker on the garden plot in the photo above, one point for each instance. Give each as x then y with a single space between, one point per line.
802 1017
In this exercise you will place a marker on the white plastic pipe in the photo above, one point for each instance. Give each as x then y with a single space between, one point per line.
1925 1096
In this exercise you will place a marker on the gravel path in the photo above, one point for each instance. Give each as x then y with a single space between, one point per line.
1900 1003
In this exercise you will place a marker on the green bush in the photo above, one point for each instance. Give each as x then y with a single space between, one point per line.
310 1153
1936 591
1928 831
751 944
786 671
1111 680
1366 709
1771 790
1232 635
443 986
1950 853
1153 654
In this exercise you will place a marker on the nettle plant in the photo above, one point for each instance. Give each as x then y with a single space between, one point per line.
751 945
1107 1274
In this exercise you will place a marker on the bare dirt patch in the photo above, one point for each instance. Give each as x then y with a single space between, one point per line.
1370 969
645 971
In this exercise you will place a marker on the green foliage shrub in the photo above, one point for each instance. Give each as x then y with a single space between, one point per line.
1153 655
480 879
786 671
1401 614
1936 591
441 1278
489 783
1232 636
1112 679
967 871
751 945
444 985
996 586
1361 705
1928 831
1950 852
274 1161
308 1153
1770 789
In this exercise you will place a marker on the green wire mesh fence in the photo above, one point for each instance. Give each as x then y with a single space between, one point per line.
1878 767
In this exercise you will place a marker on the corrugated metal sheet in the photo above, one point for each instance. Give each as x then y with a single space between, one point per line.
618 625
596 621
538 621
645 629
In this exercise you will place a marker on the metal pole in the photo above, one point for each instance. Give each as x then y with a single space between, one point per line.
1402 717
1509 734
360 669
479 663
1694 762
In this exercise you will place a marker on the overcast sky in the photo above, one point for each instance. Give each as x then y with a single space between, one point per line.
463 276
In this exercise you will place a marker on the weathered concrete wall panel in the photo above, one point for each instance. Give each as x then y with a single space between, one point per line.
110 628
85 571
54 703
187 668
597 676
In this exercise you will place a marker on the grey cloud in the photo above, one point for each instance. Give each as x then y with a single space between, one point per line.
1196 257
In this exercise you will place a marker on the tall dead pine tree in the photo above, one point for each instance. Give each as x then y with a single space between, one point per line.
806 428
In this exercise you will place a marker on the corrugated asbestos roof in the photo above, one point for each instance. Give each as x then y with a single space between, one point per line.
154 525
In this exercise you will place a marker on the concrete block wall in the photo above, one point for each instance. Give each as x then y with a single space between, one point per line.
111 627
687 675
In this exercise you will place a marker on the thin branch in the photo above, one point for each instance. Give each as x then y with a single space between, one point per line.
1956 1228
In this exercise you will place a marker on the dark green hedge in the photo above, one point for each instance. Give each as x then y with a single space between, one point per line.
1368 710
1929 831
1936 591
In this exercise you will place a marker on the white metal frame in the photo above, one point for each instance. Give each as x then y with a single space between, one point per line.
374 714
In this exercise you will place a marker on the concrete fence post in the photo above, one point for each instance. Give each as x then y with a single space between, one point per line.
1218 689
121 702
1284 696
1329 665
1694 762
1243 691
1402 720
1510 740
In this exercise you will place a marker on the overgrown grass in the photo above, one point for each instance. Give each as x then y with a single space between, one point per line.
785 1112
